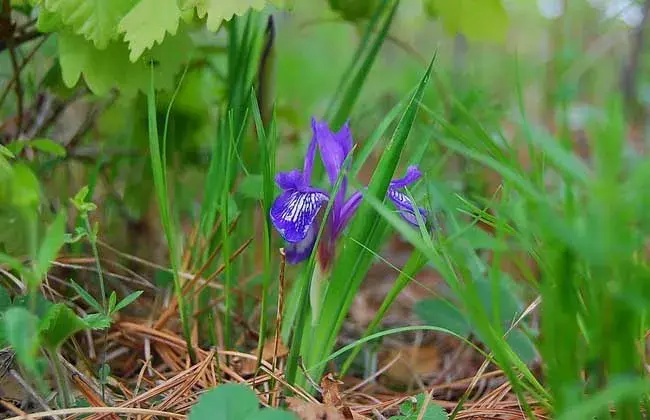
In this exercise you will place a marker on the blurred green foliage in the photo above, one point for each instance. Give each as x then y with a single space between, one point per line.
521 129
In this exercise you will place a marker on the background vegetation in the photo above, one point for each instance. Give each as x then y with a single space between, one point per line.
139 271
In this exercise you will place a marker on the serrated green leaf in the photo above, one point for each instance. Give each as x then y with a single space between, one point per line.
111 67
86 297
147 23
95 20
476 19
101 69
225 402
59 324
49 21
51 245
97 321
127 301
220 10
21 332
48 146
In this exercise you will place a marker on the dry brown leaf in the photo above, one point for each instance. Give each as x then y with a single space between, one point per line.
333 408
414 361
330 386
313 411
248 366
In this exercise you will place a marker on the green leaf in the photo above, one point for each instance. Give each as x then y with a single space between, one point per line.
97 321
104 373
252 187
220 10
52 243
441 313
127 300
48 146
225 402
59 324
5 299
272 414
521 345
6 152
80 196
21 332
86 297
432 412
25 189
49 21
476 19
95 20
111 67
101 69
112 301
354 10
39 306
147 23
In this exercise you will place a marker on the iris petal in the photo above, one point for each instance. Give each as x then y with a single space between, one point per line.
333 148
347 211
299 251
412 174
405 206
294 212
289 180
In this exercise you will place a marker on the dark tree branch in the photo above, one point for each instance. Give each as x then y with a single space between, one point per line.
7 29
18 86
22 66
630 71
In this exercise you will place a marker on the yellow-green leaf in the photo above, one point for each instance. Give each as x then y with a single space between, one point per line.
480 20
147 24
48 146
95 20
220 10
111 68
25 189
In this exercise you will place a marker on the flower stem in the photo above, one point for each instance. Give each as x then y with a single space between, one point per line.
316 293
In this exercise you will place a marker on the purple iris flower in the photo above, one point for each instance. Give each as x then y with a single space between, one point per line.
294 213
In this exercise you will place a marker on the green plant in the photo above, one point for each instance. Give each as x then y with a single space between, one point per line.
234 401
417 408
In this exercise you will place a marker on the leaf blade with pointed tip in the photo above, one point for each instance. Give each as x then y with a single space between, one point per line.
127 301
86 297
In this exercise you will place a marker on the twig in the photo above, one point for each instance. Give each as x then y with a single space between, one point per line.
27 59
107 410
17 70
30 390
19 40
629 74
278 321
9 406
